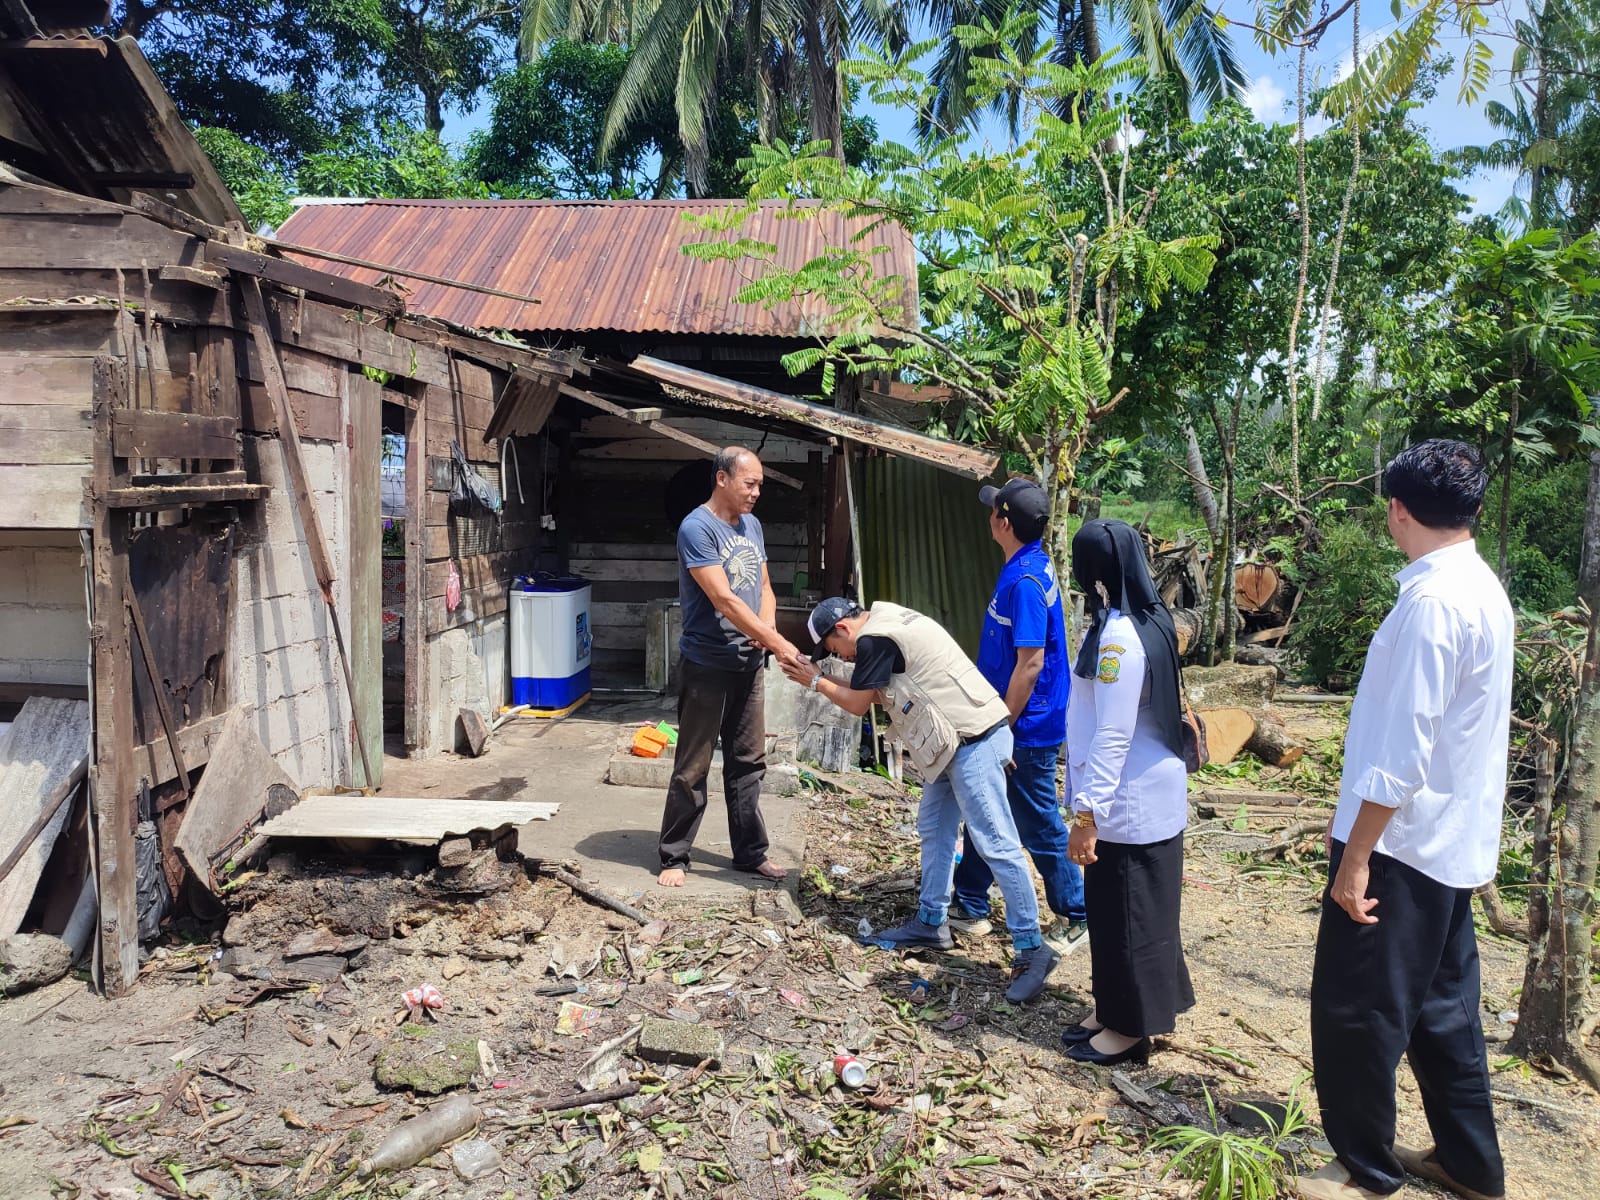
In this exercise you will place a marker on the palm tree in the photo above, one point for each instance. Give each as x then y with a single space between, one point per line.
1550 130
1177 38
690 50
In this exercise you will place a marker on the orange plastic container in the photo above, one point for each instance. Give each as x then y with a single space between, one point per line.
648 743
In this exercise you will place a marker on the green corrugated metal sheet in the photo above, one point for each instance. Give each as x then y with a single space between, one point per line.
925 543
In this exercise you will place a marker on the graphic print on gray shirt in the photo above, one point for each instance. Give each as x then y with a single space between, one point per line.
705 540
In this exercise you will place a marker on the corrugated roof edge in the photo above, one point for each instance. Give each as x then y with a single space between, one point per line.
467 202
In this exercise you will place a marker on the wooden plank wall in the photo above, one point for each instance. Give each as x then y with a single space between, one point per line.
155 373
614 511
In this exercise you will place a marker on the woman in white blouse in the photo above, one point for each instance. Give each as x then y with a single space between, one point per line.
1129 797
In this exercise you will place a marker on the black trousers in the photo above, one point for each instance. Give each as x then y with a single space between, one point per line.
731 704
1405 986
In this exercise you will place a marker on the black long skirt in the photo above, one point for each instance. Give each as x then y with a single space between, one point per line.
1134 895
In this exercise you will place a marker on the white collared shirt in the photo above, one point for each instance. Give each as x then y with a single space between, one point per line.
1431 721
1118 765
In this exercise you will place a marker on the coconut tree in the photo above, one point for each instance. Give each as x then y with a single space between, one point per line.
1181 39
688 50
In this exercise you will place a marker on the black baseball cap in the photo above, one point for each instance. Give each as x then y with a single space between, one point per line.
822 620
1019 498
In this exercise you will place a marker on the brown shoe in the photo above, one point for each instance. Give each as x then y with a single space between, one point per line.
1424 1164
1332 1182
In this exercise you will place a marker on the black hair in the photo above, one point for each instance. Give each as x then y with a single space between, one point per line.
1440 482
1026 528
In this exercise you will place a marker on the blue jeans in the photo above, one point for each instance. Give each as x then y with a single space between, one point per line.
1031 789
973 789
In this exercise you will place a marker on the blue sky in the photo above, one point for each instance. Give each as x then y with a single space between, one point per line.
1271 96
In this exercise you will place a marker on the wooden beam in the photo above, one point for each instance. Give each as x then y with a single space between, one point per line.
184 496
180 181
645 418
146 433
112 775
309 280
72 45
153 760
256 312
952 456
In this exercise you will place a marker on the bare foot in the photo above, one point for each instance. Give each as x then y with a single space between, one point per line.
770 870
671 877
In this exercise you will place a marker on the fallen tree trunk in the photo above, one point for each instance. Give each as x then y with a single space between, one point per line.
1227 731
1272 744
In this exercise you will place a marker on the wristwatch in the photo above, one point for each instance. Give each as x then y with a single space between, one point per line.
1083 819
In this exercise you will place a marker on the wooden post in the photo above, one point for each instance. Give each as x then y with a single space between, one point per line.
272 369
815 501
836 549
112 779
416 600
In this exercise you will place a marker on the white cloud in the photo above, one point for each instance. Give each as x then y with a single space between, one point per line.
1265 99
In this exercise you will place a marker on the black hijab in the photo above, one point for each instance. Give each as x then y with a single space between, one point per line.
1112 553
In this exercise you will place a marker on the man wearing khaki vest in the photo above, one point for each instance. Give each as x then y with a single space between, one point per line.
958 732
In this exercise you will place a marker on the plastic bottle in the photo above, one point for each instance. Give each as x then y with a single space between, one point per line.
412 1141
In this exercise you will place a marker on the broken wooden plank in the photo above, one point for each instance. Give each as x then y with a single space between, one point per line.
230 799
184 497
401 818
145 433
46 745
159 688
476 730
309 280
642 418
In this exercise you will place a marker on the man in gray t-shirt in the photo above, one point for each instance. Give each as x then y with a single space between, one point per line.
729 608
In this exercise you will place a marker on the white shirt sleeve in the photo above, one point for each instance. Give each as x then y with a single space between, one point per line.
1425 655
1118 684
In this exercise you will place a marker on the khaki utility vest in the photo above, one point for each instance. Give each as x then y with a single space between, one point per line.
940 700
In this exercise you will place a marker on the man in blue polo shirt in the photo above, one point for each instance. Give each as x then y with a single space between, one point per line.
1024 657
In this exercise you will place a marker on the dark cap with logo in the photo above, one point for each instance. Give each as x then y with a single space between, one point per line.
1019 498
822 620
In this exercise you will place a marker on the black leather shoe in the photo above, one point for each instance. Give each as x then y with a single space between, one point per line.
1073 1034
1084 1052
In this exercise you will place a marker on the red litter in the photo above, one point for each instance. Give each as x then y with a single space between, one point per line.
793 997
426 996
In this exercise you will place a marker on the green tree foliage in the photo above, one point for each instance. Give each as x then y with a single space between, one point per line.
546 124
1349 589
1022 306
1549 122
398 161
1181 41
262 189
292 76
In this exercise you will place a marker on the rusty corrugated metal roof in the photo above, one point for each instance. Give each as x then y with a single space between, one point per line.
594 265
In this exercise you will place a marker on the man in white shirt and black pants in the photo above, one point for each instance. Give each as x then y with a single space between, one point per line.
1416 830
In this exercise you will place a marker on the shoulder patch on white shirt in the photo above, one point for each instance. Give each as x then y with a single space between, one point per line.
1110 662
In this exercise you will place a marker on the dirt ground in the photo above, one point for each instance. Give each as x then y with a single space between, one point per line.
202 1084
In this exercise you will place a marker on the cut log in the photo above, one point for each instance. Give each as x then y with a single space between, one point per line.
1272 744
1256 586
1230 686
1187 622
1227 731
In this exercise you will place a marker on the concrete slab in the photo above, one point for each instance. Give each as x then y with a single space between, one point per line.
627 769
610 829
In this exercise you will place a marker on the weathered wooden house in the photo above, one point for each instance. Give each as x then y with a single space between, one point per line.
675 366
192 431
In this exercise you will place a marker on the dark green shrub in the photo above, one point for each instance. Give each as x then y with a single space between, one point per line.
1349 588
